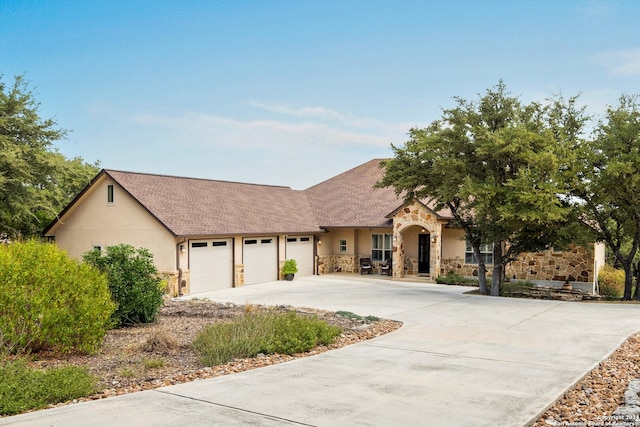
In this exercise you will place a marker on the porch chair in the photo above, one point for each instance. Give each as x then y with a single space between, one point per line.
386 268
365 265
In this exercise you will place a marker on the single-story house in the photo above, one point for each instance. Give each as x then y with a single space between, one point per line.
208 234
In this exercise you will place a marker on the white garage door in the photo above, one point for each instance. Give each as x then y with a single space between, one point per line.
211 264
260 256
301 249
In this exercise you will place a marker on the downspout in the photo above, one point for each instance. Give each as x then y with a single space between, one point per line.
178 266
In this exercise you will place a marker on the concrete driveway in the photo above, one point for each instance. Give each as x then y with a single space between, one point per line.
459 360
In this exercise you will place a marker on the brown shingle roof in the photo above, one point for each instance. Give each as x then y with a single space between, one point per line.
194 207
349 199
189 206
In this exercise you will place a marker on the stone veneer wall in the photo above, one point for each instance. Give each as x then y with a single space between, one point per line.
574 265
239 275
171 277
338 264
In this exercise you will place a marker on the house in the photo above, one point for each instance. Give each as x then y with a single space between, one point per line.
208 234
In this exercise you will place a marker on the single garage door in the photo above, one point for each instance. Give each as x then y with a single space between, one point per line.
301 249
210 264
260 256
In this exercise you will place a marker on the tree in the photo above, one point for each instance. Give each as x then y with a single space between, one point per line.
604 182
494 164
36 181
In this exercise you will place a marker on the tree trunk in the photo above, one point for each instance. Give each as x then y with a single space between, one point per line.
636 273
482 278
498 269
628 281
482 270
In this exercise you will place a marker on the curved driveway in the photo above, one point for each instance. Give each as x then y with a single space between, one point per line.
458 360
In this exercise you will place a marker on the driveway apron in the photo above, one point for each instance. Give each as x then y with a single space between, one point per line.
458 360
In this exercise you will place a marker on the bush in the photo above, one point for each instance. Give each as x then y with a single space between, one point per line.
133 282
23 388
611 282
49 301
261 332
453 278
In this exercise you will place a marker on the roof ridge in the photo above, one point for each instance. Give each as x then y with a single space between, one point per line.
109 171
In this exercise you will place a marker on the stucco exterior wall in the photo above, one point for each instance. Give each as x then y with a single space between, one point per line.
453 243
94 222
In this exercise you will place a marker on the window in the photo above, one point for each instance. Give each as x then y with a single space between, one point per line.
381 247
109 193
199 245
216 244
486 252
292 239
342 246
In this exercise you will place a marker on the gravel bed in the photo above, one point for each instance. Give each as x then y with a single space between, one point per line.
156 355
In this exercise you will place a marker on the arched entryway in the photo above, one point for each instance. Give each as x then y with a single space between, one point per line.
416 241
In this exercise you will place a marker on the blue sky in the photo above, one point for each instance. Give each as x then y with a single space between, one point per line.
294 92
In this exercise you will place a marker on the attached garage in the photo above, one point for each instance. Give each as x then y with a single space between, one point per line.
260 256
301 249
210 264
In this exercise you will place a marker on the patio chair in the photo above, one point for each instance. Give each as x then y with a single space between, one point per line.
386 268
366 266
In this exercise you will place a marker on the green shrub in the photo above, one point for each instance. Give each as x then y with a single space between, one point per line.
23 388
453 278
261 332
133 282
353 316
50 301
515 286
611 282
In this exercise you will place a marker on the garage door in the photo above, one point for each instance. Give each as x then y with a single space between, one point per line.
301 249
260 256
211 264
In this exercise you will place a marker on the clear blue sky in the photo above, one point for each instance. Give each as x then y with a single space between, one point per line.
294 92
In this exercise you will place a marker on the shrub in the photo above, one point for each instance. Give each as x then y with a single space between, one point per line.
133 282
453 278
23 388
261 332
611 282
515 286
293 334
50 301
290 267
353 316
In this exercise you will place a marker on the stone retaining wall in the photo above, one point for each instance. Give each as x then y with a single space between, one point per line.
574 265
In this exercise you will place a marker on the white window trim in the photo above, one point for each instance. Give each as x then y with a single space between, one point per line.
386 250
486 249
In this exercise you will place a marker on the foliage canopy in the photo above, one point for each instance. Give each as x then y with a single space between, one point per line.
36 181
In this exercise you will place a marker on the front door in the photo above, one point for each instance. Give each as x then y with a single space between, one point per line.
424 253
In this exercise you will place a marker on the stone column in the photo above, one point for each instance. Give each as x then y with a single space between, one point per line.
398 254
